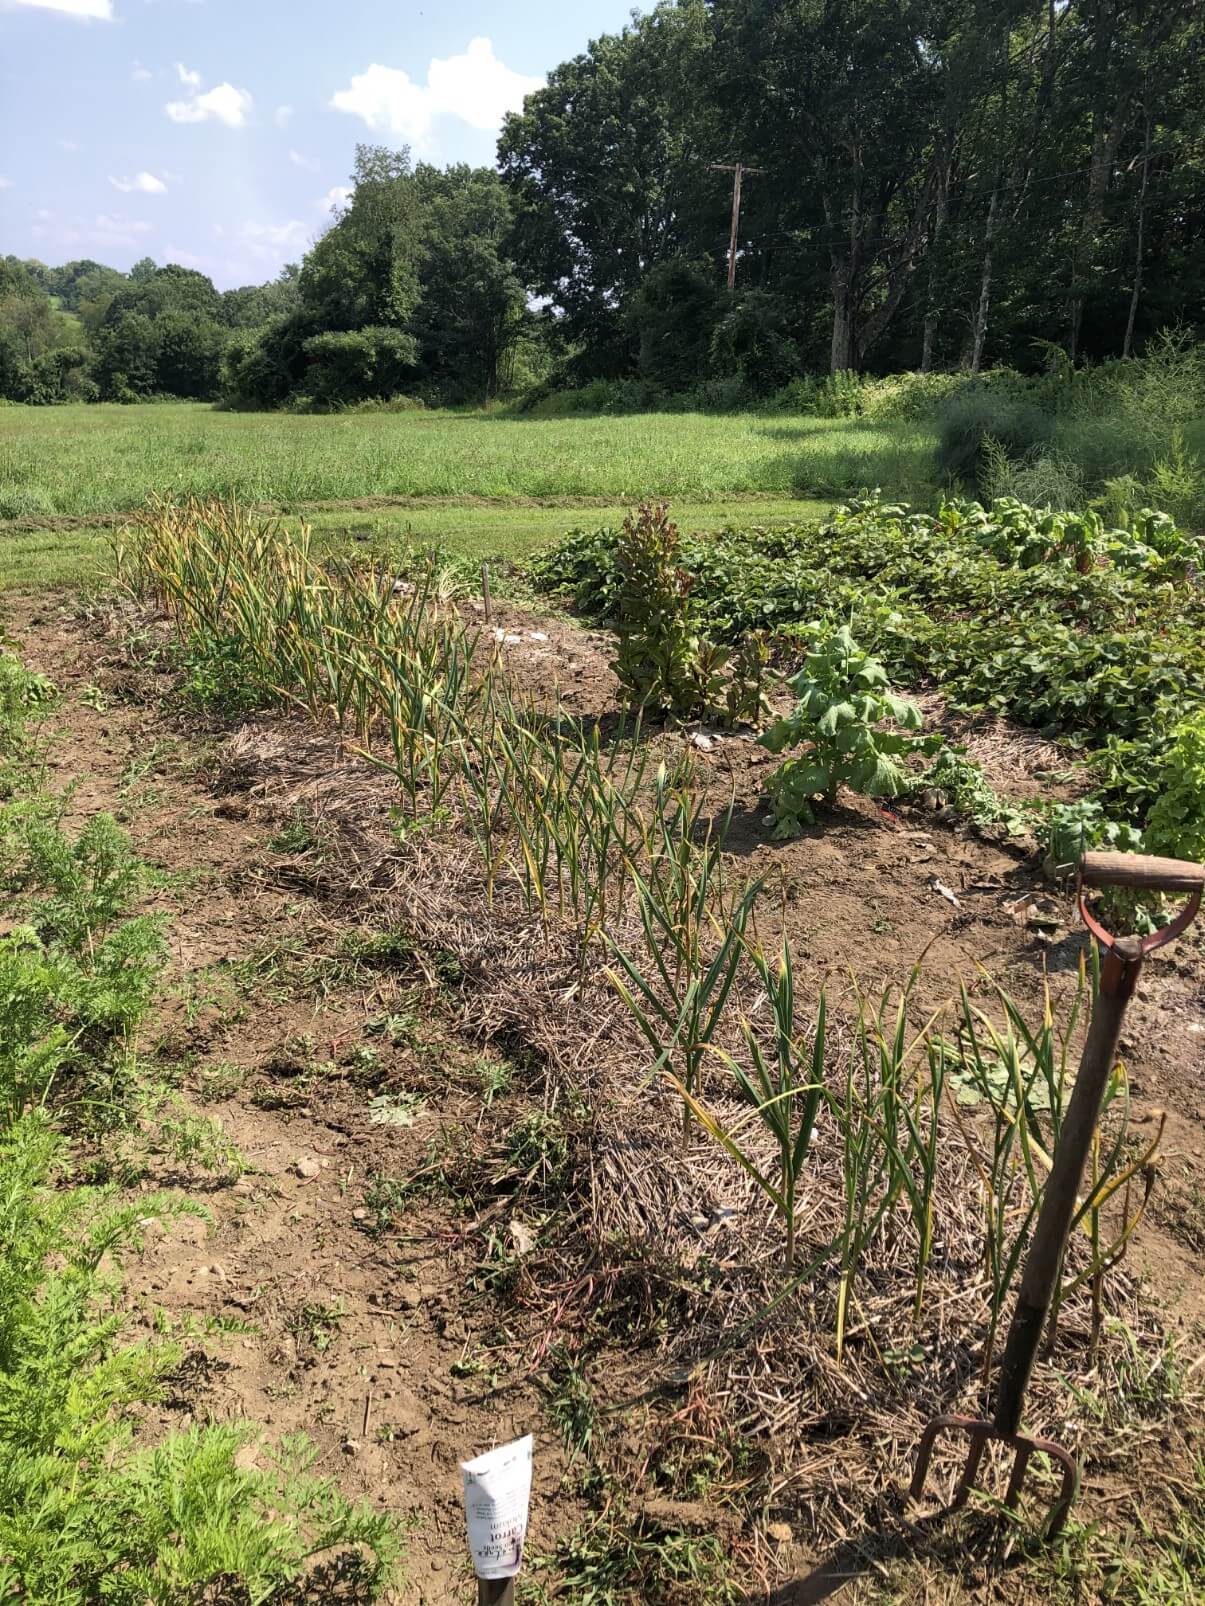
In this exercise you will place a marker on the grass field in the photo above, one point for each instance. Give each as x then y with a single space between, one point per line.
51 555
99 459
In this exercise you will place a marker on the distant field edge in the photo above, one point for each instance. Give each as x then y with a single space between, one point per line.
29 523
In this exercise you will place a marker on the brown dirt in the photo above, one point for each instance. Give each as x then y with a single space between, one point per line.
863 891
374 1346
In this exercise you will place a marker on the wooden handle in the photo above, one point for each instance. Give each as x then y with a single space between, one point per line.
1141 870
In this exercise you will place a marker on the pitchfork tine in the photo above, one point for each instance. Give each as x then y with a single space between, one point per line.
1013 1492
1119 972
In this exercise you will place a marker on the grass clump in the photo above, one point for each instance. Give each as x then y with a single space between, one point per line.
976 425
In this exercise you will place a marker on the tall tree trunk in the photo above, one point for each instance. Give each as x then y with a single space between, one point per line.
939 219
985 281
1136 294
842 352
1109 125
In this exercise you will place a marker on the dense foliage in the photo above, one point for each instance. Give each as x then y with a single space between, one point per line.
658 660
410 290
932 184
937 182
843 701
1109 656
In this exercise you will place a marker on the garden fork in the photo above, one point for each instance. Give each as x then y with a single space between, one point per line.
1122 963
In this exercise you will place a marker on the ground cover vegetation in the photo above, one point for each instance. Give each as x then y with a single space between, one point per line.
1089 634
91 1507
890 1160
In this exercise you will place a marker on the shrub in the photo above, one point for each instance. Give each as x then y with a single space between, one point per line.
658 646
977 417
752 344
352 366
598 396
843 700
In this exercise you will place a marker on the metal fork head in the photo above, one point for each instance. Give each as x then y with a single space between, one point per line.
981 1433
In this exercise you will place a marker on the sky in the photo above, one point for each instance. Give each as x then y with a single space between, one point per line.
219 133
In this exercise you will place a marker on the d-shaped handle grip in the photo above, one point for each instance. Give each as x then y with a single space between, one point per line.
1141 870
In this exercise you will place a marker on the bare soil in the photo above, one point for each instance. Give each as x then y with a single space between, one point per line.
384 1340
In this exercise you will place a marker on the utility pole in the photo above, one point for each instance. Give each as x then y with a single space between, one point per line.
736 169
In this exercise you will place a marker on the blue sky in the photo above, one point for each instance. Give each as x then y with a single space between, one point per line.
217 133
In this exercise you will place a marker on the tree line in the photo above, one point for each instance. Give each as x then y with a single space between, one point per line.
930 184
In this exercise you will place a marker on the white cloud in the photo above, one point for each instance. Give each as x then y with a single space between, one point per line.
119 225
69 144
140 74
102 10
271 242
6 183
335 199
185 258
475 87
222 104
283 116
308 162
103 231
190 80
143 183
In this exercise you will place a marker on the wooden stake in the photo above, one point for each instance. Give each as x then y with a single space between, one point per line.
485 592
495 1592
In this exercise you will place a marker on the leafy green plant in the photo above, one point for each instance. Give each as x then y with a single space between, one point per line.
1110 660
91 880
843 701
1072 829
1176 824
658 663
967 791
34 1043
539 1147
316 1325
21 693
87 1511
745 696
624 1556
197 1142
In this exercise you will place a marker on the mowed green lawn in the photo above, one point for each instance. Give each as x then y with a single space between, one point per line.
32 556
103 459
